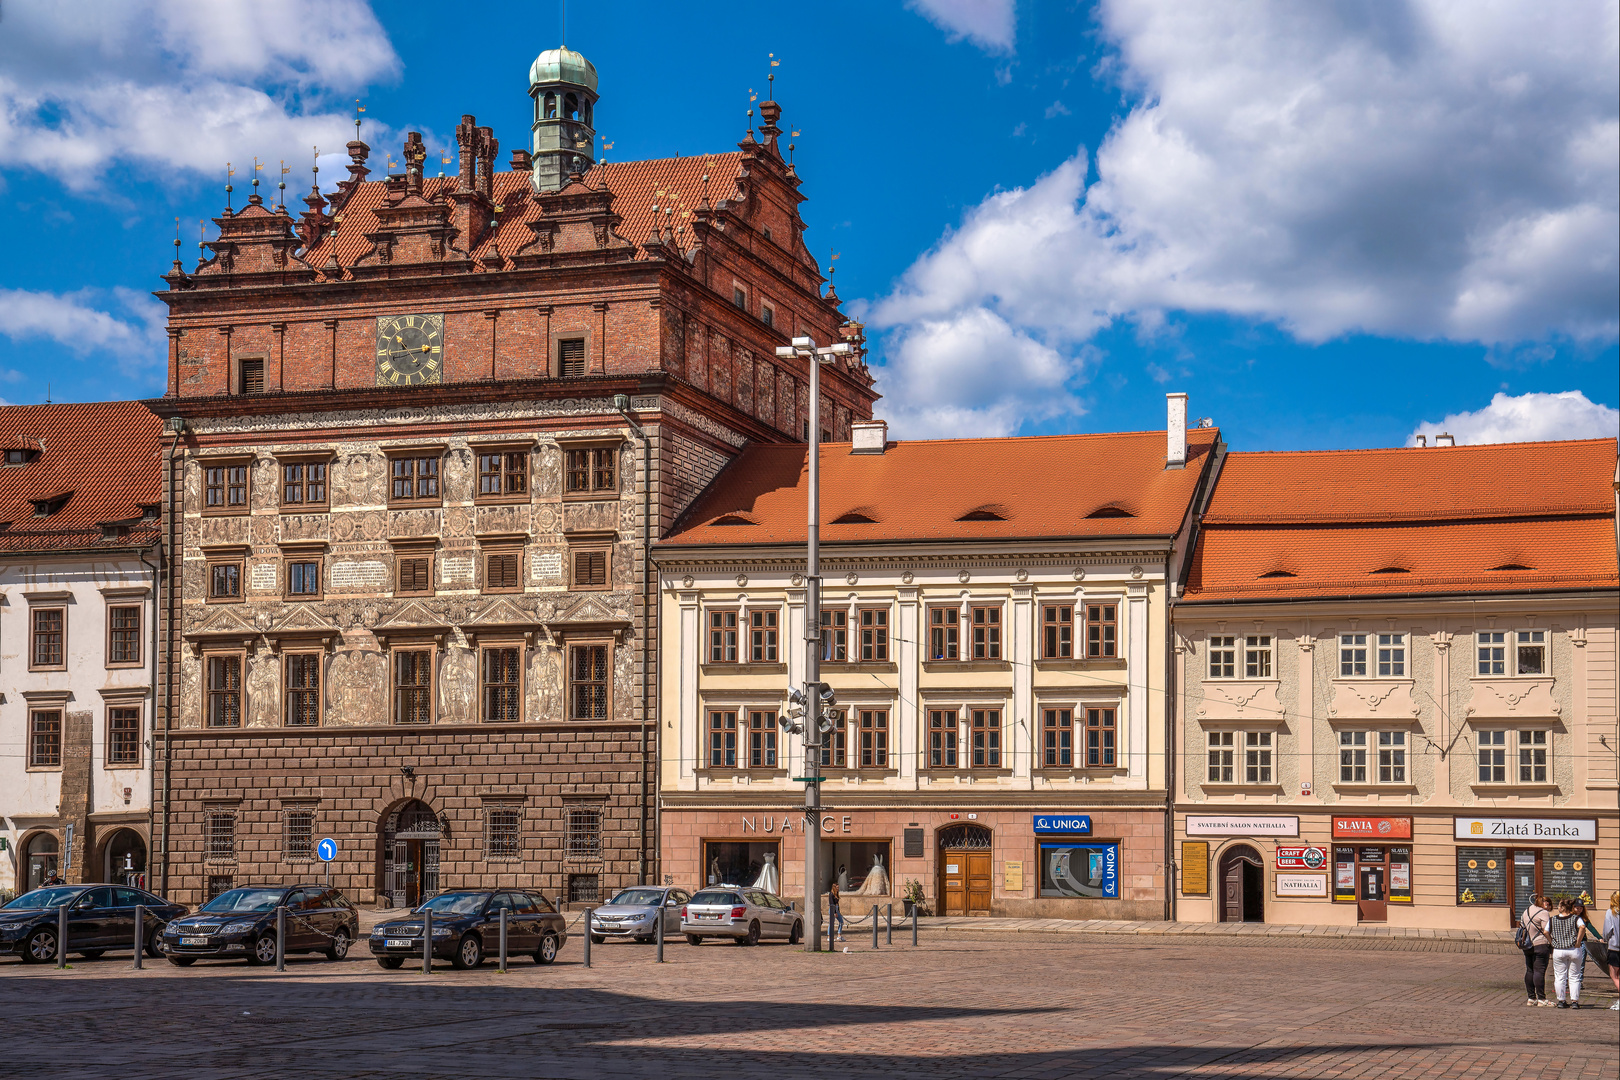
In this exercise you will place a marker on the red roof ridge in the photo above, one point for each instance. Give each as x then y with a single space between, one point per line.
1421 449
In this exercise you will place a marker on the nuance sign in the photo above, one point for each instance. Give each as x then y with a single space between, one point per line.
1546 830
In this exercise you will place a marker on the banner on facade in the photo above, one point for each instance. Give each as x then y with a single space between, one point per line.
1348 827
1241 825
1534 830
1301 885
1302 858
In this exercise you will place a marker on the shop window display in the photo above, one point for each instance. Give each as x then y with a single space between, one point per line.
1079 870
740 862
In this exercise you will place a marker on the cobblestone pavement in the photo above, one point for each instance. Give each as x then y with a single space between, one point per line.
1010 1006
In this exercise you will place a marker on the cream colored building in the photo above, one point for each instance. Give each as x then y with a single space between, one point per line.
994 626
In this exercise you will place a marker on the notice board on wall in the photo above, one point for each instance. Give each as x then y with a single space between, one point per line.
1195 868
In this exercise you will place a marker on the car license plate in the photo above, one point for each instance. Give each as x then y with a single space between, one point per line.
708 916
399 943
193 941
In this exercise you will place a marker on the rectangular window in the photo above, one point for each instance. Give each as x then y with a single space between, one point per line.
220 836
1257 757
501 840
1493 757
986 627
874 735
1221 757
303 578
503 571
1392 656
835 743
722 739
1100 738
225 488
590 568
571 358
503 685
251 378
1057 631
302 692
942 738
298 835
413 686
124 736
592 471
834 635
762 637
218 883
984 731
503 473
45 739
723 637
767 314
1223 657
739 296
587 682
124 634
583 840
414 479
761 739
225 580
414 574
49 646
1492 653
1532 757
1257 656
303 485
1392 757
224 686
1057 738
943 628
874 635
1102 628
584 888
1532 652
1352 757
1352 655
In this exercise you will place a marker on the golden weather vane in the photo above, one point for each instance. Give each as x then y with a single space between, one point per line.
229 172
358 109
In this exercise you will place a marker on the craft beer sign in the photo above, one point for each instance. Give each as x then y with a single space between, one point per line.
1302 858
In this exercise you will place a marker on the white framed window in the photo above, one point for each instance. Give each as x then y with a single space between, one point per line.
1257 757
1223 657
1493 757
1257 656
1530 652
1222 757
1533 757
1392 757
1372 757
1516 652
1392 656
1352 656
1239 757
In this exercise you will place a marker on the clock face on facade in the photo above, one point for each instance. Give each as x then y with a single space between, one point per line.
410 349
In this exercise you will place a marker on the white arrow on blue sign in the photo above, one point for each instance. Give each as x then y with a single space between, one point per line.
327 850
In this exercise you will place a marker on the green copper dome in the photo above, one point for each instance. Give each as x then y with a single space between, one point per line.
562 65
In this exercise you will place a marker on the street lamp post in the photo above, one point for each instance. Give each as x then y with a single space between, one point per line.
811 696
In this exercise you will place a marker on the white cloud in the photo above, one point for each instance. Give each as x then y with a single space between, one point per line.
79 321
1057 108
989 24
1527 418
180 84
1433 169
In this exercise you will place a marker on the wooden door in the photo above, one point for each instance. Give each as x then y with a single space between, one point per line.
1232 891
953 874
979 881
1371 897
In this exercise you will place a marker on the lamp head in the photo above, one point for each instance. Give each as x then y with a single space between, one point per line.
786 352
804 343
621 402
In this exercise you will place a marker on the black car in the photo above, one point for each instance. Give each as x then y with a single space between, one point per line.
240 924
467 926
100 917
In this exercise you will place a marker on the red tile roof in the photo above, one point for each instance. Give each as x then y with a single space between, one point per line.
1037 487
107 454
1467 520
637 187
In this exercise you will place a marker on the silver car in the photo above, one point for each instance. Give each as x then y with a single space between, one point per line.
741 913
634 913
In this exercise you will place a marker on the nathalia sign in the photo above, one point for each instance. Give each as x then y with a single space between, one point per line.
1513 828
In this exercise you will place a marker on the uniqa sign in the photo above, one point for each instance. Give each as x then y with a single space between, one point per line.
1506 828
1065 824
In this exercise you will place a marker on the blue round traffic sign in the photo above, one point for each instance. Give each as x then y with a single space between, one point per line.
327 850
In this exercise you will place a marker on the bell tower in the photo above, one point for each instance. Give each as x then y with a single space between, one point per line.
563 85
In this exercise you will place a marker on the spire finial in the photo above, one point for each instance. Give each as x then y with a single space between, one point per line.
282 185
358 109
177 267
315 170
229 172
770 79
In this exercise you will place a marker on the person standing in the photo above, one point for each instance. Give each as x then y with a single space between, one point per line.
1611 938
835 915
1538 952
1567 932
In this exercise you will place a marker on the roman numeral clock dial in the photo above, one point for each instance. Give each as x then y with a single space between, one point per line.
410 350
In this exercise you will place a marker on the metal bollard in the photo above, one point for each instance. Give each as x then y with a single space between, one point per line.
874 925
427 942
61 938
658 935
888 926
503 941
281 937
140 934
587 936
913 926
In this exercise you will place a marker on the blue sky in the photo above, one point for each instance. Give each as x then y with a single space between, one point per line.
1332 225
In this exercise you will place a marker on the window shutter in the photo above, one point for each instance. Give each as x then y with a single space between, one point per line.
502 571
590 568
252 376
571 357
413 575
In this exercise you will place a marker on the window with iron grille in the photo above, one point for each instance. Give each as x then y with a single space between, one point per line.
501 832
413 686
874 735
303 484
1102 627
588 682
503 473
942 738
874 635
1223 657
761 739
986 624
224 686
1057 631
124 735
124 634
985 733
414 479
219 836
298 834
584 889
723 637
722 738
583 840
218 883
834 635
503 685
592 471
49 638
1057 738
45 739
1099 738
762 639
571 358
303 689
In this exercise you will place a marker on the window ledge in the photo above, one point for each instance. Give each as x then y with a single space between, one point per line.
288 509
742 668
1082 664
1241 789
502 500
1376 789
967 774
1061 772
1488 790
967 665
737 774
415 504
590 496
242 511
860 665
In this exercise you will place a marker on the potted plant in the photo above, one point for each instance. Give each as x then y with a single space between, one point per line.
913 898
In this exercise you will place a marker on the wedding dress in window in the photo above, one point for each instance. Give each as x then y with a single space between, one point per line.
877 881
769 879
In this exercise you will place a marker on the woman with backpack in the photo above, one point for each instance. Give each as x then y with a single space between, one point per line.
1532 938
1567 931
1611 938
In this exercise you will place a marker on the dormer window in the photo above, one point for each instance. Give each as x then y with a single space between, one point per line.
114 532
47 507
20 456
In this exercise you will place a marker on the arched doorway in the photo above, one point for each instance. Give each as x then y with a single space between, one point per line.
40 854
1243 885
124 859
410 842
965 870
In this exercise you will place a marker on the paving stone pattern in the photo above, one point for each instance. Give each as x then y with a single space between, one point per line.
1141 1007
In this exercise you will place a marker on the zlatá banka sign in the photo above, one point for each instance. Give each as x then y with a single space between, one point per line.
1532 829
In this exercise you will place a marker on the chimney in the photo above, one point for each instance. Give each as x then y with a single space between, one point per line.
869 437
1175 453
1445 438
1423 440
